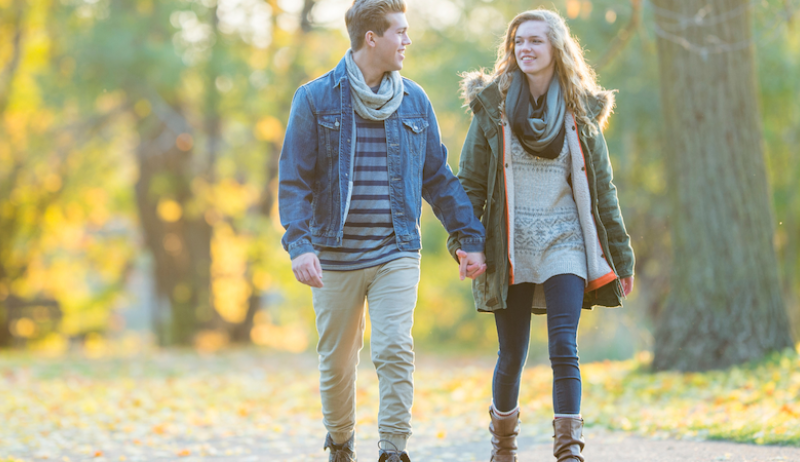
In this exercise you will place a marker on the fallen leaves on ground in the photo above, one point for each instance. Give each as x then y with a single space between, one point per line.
172 405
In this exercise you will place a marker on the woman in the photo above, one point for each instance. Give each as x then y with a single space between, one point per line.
536 168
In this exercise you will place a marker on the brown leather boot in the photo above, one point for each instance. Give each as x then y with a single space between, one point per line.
568 442
504 436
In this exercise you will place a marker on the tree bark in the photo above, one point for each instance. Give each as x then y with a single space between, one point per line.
725 305
180 249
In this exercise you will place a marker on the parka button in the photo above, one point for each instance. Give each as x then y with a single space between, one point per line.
583 169
573 128
506 165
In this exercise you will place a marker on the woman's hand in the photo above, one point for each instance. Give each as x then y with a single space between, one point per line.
627 285
470 264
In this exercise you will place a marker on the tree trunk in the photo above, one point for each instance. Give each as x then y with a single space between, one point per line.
725 306
180 248
240 333
213 133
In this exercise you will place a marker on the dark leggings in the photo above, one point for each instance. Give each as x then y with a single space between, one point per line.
564 296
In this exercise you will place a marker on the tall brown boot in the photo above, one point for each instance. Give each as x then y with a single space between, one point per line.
504 436
568 442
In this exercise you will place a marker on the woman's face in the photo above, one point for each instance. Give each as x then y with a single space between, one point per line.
532 48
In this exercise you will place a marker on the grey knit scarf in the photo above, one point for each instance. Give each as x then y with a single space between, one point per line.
539 127
368 104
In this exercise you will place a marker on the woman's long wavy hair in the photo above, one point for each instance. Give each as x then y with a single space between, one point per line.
578 80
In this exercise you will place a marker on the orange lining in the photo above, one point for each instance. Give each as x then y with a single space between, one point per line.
602 280
508 226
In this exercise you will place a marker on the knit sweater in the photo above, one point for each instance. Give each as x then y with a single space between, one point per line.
548 239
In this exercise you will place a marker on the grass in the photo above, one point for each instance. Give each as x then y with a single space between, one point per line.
754 403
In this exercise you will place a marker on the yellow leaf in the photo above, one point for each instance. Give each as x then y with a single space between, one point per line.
142 108
184 141
169 210
52 182
573 8
23 327
269 129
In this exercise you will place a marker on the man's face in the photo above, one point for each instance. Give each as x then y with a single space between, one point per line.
390 49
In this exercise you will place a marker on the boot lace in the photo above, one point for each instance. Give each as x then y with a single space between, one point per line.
339 453
393 456
339 456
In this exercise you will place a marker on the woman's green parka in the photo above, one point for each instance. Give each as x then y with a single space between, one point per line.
483 172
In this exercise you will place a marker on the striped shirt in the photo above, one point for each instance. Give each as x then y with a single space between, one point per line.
369 238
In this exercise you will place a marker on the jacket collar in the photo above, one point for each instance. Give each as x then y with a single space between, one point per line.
339 72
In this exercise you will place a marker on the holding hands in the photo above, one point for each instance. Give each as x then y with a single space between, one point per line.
307 270
470 264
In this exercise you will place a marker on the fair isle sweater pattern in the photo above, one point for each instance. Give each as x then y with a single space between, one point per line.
548 239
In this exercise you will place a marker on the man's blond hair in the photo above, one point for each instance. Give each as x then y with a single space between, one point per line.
370 15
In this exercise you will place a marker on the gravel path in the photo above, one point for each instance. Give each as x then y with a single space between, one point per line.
601 446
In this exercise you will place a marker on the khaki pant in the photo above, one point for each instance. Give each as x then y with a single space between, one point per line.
391 292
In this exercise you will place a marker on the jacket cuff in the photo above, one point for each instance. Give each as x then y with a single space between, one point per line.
625 269
299 248
453 245
472 244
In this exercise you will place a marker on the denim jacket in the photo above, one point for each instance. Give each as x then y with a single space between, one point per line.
316 169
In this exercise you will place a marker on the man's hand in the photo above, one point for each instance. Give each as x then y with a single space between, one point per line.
307 269
627 285
470 264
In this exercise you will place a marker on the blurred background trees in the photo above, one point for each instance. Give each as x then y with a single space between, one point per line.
138 162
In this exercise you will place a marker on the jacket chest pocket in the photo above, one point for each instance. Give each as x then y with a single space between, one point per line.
328 131
414 133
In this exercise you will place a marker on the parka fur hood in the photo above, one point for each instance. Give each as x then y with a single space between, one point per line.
600 106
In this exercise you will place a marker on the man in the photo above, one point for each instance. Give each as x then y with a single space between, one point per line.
362 148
